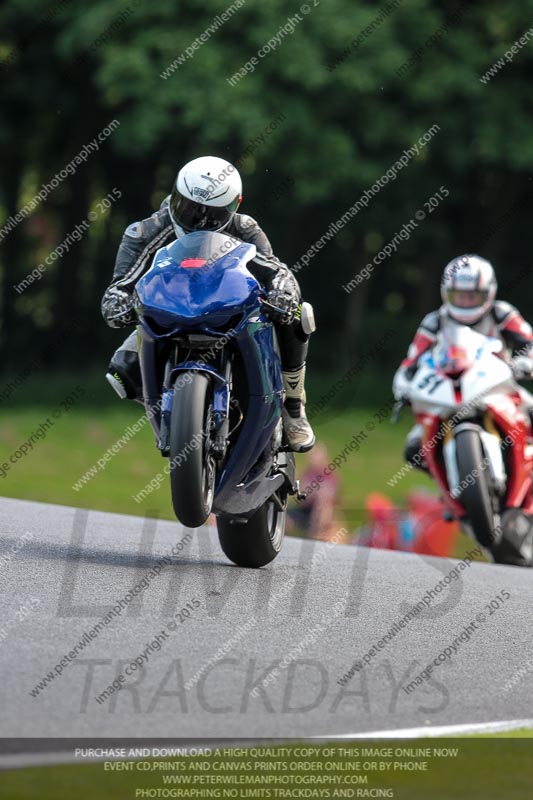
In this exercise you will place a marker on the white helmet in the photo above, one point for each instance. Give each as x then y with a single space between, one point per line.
468 288
205 195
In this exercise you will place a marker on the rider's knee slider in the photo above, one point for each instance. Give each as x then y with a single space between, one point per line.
307 318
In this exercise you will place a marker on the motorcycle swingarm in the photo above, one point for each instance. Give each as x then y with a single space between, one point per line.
258 487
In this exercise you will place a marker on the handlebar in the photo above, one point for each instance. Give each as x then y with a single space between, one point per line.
397 409
521 374
267 305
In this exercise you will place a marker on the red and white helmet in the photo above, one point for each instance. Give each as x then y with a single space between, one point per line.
468 288
206 194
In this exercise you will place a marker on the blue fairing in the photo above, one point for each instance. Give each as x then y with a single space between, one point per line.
173 296
200 284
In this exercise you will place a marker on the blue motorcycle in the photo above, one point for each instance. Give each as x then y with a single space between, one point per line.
213 392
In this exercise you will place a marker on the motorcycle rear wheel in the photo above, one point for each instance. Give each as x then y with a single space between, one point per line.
257 542
192 468
476 496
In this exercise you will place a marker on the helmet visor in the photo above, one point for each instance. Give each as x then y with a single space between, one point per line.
461 298
192 216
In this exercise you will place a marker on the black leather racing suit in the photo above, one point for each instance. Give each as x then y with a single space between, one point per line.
139 244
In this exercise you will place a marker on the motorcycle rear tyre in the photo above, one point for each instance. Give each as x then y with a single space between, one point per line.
254 543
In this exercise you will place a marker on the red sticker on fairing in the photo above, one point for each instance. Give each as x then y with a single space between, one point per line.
193 263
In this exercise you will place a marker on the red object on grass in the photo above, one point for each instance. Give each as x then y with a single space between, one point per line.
433 536
423 518
384 518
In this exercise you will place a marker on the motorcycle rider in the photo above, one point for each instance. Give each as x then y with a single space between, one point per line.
468 291
205 197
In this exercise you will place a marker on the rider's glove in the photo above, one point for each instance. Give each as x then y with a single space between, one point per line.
401 385
281 305
522 367
117 308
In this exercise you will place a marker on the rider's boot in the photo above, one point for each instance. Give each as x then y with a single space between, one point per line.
124 372
298 431
413 443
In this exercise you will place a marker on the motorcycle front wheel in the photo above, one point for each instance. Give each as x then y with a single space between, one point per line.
475 496
192 467
257 542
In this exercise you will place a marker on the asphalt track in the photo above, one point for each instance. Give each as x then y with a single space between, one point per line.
311 614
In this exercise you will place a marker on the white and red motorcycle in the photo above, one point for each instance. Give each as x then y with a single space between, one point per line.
477 441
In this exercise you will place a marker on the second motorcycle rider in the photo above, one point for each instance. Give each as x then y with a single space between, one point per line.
468 290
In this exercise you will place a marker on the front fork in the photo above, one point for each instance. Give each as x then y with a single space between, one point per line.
491 446
167 396
222 383
221 410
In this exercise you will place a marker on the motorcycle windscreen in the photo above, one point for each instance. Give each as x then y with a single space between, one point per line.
200 279
458 349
